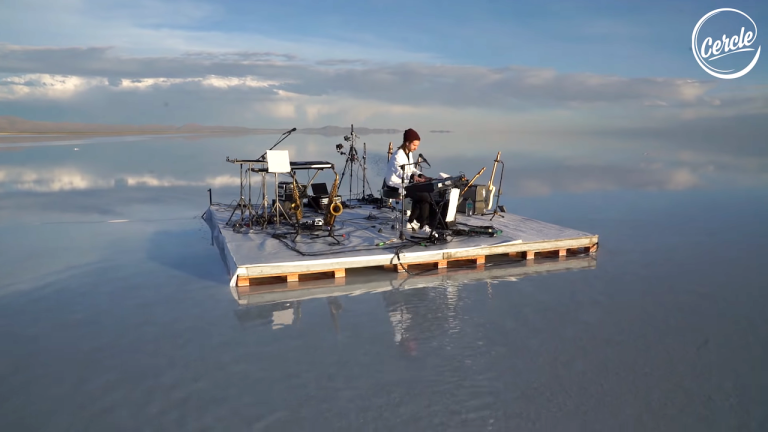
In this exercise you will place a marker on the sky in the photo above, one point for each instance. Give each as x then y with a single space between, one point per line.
544 67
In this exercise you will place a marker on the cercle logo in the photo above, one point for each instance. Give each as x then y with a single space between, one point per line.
707 49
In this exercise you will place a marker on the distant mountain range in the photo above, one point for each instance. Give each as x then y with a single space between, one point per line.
10 125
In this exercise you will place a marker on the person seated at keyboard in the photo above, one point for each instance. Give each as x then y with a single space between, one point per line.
398 178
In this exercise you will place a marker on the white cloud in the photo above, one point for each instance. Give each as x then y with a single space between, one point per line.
414 83
46 86
68 179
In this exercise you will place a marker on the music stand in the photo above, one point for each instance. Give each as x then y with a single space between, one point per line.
278 162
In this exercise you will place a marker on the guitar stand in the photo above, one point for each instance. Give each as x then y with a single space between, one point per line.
498 198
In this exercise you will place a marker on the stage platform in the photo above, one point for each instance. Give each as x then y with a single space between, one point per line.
256 256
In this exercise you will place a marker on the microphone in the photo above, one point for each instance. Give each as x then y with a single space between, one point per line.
421 156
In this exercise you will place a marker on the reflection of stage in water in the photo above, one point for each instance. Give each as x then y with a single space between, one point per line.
405 304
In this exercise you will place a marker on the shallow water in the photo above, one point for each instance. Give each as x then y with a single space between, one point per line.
132 325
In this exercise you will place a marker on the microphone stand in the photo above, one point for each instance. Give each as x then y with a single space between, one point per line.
261 158
264 201
364 180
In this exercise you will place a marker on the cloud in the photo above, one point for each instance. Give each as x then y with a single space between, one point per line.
20 179
419 84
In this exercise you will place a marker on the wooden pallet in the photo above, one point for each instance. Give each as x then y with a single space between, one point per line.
439 264
290 277
550 253
479 261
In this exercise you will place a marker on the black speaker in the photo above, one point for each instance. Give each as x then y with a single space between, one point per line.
476 193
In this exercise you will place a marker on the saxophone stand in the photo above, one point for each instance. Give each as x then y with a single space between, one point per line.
330 234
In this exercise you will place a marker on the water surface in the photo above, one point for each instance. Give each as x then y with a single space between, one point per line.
132 325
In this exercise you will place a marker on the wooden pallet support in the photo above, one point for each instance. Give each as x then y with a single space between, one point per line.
439 264
290 277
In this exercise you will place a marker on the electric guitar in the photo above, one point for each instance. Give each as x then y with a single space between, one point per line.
491 189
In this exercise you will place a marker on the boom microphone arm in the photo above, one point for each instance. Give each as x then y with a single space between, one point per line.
283 136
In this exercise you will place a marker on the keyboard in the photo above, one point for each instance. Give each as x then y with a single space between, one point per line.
438 184
301 165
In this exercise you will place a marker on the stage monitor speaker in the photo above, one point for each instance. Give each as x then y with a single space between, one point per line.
477 194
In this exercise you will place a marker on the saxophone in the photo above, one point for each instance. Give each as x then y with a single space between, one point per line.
296 203
332 209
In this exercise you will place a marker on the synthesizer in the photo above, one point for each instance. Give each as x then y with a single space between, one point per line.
302 165
438 184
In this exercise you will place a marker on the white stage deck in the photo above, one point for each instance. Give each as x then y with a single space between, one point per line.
255 253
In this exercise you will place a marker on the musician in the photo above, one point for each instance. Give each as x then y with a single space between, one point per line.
398 178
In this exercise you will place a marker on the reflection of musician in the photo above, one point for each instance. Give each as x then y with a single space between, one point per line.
398 178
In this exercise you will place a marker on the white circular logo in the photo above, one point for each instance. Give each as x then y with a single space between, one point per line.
707 49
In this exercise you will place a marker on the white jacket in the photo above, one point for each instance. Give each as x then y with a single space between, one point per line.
395 176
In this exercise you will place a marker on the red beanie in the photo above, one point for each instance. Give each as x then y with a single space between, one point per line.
411 135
